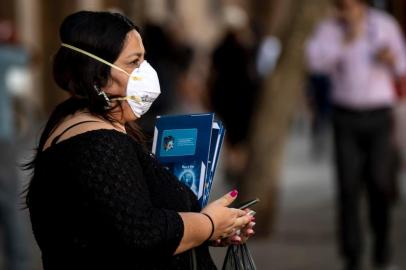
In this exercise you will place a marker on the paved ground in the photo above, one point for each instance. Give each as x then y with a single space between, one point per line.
305 234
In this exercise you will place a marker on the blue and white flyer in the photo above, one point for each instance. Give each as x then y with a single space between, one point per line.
189 146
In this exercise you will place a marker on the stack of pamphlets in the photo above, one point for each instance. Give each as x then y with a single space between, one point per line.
189 146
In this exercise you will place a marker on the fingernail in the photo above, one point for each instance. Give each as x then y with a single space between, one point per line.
253 219
236 238
235 242
252 224
234 193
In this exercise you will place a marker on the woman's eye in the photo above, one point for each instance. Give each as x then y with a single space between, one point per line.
135 62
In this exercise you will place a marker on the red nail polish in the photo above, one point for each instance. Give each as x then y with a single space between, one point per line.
234 193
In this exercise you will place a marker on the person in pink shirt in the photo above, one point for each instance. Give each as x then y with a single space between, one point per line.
363 52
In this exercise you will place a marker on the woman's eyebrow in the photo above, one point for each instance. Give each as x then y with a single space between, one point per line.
139 54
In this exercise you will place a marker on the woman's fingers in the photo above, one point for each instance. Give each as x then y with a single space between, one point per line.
248 227
251 224
229 222
237 231
242 221
234 239
249 232
237 223
238 212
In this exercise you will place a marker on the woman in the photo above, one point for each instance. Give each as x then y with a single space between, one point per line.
98 199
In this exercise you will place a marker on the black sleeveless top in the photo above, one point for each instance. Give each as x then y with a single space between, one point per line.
98 200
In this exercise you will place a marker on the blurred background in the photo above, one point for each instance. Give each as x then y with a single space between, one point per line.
244 60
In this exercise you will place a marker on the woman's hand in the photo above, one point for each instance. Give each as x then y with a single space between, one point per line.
240 237
227 221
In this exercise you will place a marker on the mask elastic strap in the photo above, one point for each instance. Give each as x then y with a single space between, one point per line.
99 59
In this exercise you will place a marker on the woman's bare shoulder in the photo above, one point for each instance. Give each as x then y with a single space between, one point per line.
78 124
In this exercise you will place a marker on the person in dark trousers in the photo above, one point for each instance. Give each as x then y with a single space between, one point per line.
363 51
98 199
318 95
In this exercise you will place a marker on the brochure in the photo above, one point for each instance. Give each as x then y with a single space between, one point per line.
189 146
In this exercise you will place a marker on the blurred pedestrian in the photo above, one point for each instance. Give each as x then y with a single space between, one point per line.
170 63
234 76
11 56
234 87
362 50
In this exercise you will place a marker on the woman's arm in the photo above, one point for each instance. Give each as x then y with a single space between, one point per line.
197 228
110 177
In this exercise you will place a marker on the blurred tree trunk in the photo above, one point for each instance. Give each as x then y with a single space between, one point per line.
291 21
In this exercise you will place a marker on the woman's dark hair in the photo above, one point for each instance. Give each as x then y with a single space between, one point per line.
102 34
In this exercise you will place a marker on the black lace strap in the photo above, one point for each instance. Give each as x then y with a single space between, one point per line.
56 139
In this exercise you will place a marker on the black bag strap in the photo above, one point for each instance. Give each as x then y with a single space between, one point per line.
56 139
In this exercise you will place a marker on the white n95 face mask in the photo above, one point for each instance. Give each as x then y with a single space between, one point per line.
143 84
142 89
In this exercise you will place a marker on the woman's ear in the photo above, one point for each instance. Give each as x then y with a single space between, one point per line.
101 93
106 87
